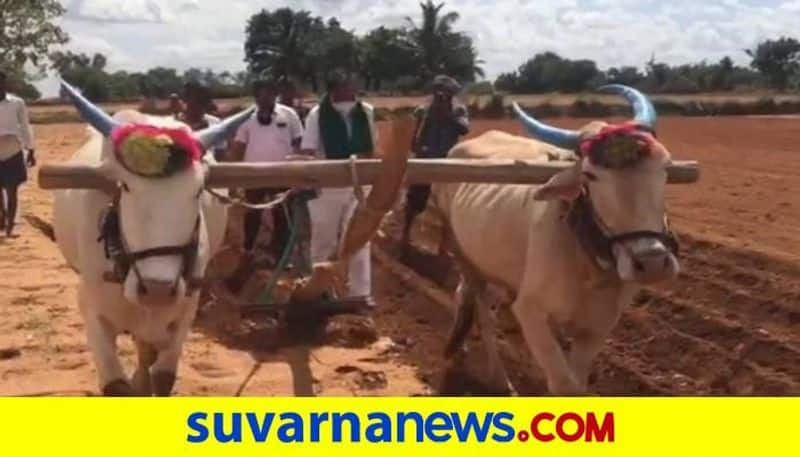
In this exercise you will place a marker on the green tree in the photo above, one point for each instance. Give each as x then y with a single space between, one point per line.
778 60
507 82
18 85
280 43
28 31
629 76
440 48
722 77
549 72
160 82
333 47
387 54
85 72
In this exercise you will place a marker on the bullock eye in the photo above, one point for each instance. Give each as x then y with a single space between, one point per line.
124 187
590 176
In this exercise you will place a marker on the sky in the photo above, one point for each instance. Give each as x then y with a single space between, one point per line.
140 34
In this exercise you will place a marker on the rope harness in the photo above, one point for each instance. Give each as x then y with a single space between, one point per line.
598 242
124 260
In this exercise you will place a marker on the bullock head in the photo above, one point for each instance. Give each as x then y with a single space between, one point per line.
619 181
160 173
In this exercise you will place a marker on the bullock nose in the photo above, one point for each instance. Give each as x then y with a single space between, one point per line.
155 293
653 265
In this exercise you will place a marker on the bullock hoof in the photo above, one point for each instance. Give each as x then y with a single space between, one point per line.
118 388
163 382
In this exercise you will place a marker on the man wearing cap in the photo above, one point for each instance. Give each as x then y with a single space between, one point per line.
15 138
339 127
440 124
272 134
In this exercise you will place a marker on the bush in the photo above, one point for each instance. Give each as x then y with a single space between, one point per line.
480 88
495 108
592 108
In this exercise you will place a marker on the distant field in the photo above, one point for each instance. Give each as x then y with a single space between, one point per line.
557 104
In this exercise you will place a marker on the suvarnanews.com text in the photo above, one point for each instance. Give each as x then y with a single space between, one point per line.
401 427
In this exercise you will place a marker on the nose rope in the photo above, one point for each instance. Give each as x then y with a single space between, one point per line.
116 249
595 239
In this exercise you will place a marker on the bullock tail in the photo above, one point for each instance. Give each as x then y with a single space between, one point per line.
43 226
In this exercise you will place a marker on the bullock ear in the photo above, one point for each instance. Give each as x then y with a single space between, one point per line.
566 185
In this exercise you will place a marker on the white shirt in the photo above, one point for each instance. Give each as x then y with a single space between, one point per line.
273 142
312 139
14 122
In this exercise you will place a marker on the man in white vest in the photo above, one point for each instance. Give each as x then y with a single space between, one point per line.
15 138
339 127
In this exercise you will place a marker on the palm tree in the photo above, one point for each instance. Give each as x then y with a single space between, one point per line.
441 49
278 42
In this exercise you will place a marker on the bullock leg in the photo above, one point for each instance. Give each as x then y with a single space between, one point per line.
466 301
487 322
163 371
141 378
590 334
454 350
103 342
544 346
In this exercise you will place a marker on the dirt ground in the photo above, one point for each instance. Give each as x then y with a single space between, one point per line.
728 326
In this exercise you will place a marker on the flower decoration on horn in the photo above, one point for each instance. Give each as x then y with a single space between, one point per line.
618 146
154 152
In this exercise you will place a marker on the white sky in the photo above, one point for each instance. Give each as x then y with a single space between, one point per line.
139 34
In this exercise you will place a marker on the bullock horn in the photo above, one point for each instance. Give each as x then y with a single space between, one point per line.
220 132
90 112
643 109
563 138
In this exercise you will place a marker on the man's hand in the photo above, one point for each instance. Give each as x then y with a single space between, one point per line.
31 158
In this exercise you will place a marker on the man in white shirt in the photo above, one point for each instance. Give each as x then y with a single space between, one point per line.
272 134
15 138
340 126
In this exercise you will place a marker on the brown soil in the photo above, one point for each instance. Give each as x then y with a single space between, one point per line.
729 326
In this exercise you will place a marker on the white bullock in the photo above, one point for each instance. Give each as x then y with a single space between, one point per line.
574 251
168 230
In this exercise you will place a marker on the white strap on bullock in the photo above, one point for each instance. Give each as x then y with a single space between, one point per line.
357 189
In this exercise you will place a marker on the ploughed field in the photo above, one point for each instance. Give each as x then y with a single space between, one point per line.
728 326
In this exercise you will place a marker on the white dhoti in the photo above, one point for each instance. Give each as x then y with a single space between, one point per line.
330 214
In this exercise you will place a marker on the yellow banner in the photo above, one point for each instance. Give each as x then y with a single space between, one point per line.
402 427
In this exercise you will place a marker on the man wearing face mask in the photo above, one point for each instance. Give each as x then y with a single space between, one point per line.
272 134
15 138
339 127
440 124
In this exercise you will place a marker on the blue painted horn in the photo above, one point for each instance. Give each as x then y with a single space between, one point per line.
562 138
215 134
90 112
643 110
